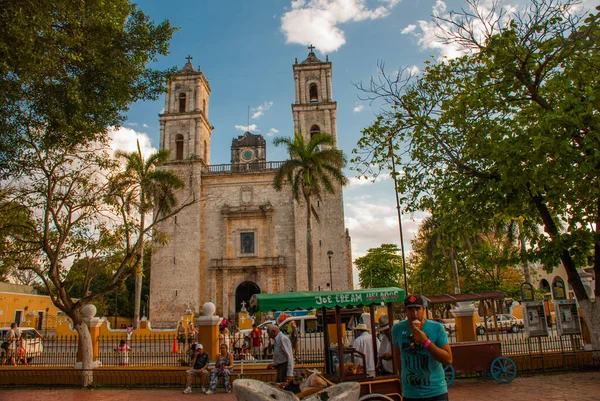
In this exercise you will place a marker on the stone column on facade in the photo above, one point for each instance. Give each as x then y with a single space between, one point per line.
162 135
297 85
208 330
323 88
464 321
295 117
328 119
329 93
198 94
225 291
333 126
198 130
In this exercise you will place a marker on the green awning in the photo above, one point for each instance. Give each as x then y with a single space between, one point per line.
316 300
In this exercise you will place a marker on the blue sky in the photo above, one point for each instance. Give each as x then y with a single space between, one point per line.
246 49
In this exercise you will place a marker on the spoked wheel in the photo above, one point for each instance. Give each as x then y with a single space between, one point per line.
375 397
503 369
449 374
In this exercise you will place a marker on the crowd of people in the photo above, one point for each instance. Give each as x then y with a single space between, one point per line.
13 347
419 345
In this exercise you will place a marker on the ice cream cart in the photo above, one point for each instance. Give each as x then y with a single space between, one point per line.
342 363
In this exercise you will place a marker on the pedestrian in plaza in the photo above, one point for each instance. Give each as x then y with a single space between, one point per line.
238 342
123 350
224 324
224 338
384 352
224 368
192 333
199 368
181 333
294 337
256 340
11 340
21 350
283 358
424 350
364 344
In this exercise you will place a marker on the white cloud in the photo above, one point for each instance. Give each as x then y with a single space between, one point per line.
409 29
272 132
430 33
359 108
317 21
413 70
260 110
244 128
354 182
126 139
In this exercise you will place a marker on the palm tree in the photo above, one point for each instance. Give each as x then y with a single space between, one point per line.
314 167
439 239
149 189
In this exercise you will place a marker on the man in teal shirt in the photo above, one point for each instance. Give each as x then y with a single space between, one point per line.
424 350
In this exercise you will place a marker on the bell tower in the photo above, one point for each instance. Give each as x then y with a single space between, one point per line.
184 127
314 110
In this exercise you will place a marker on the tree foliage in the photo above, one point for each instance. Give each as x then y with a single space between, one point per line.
69 71
508 131
149 189
314 168
71 68
380 267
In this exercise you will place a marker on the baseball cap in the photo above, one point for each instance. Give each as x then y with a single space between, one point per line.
414 301
199 346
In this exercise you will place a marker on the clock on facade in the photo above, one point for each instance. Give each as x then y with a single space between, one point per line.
247 155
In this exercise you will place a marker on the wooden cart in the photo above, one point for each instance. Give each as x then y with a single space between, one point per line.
484 357
334 308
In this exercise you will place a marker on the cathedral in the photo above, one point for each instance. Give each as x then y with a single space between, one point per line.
241 236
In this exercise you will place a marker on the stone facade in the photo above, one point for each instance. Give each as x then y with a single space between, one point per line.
241 236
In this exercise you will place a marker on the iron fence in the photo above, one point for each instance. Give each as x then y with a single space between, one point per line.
163 350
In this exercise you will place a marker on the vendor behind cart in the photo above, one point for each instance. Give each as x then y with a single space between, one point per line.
424 349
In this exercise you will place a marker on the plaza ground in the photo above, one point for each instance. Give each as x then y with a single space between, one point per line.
581 386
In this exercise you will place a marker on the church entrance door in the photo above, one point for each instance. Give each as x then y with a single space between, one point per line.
243 293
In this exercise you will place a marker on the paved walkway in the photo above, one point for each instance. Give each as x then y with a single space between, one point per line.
568 386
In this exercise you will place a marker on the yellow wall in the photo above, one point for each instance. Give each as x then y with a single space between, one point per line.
29 306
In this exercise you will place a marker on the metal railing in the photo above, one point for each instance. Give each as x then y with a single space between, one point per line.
240 167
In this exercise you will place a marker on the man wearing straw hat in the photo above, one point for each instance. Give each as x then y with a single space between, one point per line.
424 350
364 344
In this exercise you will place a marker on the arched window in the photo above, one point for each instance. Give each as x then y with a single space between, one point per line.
558 288
314 93
179 147
544 285
182 102
314 130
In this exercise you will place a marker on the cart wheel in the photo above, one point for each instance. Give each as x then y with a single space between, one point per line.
503 369
375 397
480 331
449 374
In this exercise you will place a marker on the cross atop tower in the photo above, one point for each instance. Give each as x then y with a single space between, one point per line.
311 48
189 58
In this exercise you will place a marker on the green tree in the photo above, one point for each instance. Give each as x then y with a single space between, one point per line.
314 167
380 267
440 240
145 183
510 131
69 71
71 68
